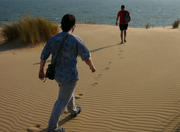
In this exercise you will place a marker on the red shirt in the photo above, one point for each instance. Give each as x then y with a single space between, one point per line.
121 15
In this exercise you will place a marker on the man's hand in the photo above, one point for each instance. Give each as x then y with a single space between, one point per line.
41 70
41 75
90 64
93 69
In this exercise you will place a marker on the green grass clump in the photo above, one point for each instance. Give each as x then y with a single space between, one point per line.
30 30
176 24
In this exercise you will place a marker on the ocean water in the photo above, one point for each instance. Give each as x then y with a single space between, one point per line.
153 12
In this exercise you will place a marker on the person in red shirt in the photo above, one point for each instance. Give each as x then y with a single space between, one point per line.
122 24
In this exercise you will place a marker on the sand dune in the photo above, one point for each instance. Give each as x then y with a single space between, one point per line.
136 87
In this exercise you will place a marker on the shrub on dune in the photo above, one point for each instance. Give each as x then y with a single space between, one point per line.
31 30
176 24
10 31
147 26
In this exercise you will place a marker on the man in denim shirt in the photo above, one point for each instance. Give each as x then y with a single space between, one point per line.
66 73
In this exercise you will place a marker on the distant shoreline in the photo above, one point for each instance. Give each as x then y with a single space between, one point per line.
91 22
156 13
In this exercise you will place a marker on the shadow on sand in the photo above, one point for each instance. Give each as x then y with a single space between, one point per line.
5 46
66 119
92 51
105 47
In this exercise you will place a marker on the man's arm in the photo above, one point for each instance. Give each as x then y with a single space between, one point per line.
117 19
90 64
41 70
44 56
85 54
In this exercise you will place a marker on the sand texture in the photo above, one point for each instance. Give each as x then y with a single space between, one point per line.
136 87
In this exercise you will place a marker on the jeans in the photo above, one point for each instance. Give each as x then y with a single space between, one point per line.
65 98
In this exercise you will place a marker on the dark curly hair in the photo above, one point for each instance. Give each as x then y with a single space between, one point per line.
122 6
67 22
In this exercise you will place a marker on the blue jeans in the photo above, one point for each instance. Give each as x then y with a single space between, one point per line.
65 98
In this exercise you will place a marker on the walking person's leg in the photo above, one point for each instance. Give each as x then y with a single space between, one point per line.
65 94
124 35
121 36
71 105
125 32
72 108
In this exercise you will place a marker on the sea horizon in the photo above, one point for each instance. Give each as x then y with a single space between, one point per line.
156 13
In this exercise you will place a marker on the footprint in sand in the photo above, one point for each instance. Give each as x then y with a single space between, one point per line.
81 94
38 125
98 76
33 129
77 97
119 54
109 63
120 51
107 68
94 84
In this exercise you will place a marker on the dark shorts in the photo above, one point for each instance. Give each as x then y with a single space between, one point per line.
123 26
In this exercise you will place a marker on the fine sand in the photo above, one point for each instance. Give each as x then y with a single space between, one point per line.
136 87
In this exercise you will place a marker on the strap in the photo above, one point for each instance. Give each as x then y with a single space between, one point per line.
60 48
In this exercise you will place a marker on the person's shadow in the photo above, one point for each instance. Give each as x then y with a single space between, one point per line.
101 48
66 119
5 46
92 51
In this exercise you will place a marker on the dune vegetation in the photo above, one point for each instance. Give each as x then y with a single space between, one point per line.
30 30
147 26
176 24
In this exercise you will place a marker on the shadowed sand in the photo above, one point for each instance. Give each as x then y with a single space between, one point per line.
136 87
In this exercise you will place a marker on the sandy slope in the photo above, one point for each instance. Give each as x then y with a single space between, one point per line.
136 87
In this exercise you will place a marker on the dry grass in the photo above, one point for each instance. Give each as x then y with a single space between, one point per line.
176 24
30 30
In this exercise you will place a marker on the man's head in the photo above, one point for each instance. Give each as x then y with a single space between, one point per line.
68 22
122 7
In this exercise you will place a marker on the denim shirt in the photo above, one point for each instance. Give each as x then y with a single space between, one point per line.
66 69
